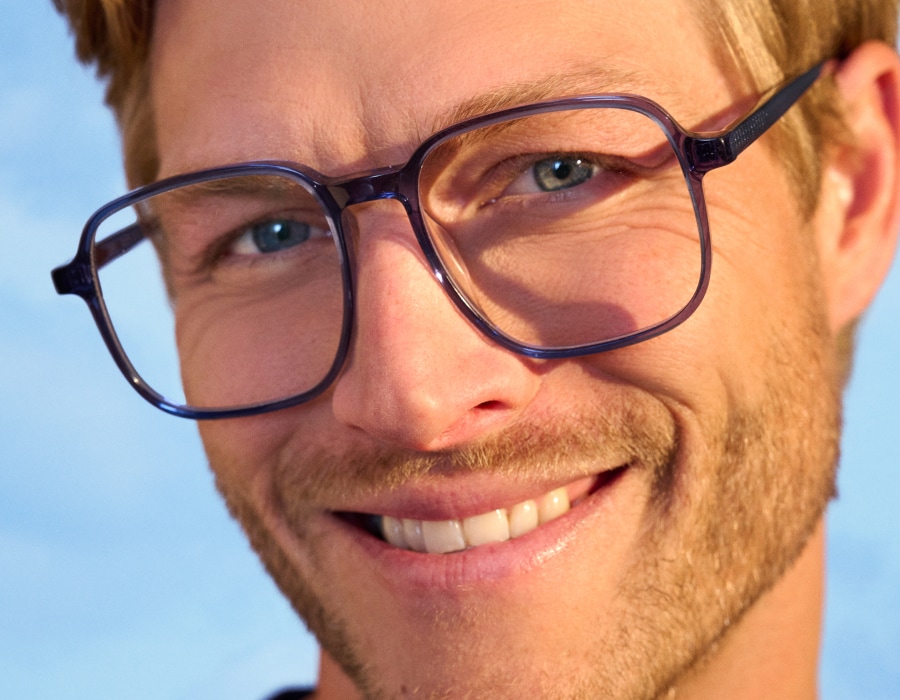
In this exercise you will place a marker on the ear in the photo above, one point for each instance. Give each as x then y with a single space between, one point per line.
858 215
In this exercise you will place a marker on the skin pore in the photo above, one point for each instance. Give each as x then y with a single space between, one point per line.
722 434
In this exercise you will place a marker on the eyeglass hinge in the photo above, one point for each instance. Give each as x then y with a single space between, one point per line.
74 278
709 153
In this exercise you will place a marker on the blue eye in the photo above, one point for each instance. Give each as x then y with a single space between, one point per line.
273 236
561 173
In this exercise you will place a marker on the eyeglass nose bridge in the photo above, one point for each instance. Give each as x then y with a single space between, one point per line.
383 183
397 183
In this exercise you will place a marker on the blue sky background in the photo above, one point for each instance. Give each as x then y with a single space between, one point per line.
120 573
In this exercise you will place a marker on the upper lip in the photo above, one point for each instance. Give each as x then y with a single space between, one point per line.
460 496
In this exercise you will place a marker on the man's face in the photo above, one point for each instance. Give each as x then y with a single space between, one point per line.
698 463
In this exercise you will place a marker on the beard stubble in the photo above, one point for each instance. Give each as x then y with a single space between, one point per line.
753 498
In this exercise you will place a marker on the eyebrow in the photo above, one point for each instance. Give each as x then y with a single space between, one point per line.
581 80
237 183
267 184
207 192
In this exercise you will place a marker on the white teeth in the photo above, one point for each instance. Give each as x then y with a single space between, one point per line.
392 529
442 536
486 528
523 518
552 505
413 535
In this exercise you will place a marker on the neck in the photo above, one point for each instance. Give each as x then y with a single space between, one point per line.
772 652
333 682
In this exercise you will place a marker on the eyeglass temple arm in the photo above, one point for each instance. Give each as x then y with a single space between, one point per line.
709 153
76 277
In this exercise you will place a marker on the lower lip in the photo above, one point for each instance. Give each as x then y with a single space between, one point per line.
491 563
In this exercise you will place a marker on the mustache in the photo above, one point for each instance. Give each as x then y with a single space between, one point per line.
641 433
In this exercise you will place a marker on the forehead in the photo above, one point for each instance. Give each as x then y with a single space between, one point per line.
358 84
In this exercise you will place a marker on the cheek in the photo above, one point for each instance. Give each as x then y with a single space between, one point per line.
765 282
243 453
255 333
764 251
763 299
247 453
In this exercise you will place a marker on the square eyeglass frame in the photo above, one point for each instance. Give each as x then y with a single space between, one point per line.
697 153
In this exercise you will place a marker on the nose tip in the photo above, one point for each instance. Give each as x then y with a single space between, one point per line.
416 413
419 375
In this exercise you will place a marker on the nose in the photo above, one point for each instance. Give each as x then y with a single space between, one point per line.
419 375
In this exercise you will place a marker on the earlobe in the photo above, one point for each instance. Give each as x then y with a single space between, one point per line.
858 216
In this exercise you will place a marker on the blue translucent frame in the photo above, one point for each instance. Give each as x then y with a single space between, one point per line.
697 153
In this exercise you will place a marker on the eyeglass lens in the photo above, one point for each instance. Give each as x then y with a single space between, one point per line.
567 228
251 294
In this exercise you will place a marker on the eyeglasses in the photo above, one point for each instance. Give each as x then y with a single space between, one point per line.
558 229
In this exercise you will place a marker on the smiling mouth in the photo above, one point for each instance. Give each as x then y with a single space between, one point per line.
495 526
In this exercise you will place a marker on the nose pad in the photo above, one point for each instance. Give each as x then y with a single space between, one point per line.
350 230
418 374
